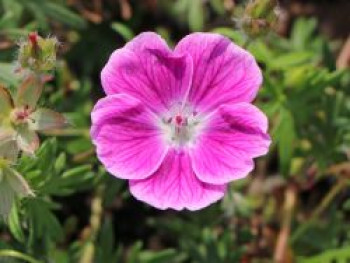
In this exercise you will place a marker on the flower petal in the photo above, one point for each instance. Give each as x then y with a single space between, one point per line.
7 196
28 141
5 102
147 70
9 150
29 92
18 183
6 132
233 136
128 141
46 119
223 72
174 185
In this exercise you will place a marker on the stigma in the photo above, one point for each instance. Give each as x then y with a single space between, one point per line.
180 127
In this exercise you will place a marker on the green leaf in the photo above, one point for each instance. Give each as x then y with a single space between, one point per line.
164 256
218 6
290 60
302 32
7 74
106 251
63 15
236 36
196 15
36 8
329 256
285 136
260 51
15 225
61 162
134 252
123 30
43 222
18 255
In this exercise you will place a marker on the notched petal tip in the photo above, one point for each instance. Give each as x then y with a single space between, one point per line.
224 72
148 70
175 186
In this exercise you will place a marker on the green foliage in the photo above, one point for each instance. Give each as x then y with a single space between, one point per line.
40 13
79 212
332 255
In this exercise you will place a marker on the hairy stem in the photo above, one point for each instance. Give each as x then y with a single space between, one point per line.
88 252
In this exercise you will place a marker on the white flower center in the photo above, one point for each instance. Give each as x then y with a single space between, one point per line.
181 126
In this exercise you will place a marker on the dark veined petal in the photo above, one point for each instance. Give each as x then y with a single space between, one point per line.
223 73
148 70
128 141
174 185
234 135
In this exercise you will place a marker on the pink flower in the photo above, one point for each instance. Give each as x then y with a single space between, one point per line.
179 124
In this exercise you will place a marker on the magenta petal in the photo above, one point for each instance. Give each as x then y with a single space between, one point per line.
174 185
223 73
126 137
234 135
147 70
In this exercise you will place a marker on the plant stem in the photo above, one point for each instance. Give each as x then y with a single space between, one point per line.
282 241
68 132
18 255
88 252
338 187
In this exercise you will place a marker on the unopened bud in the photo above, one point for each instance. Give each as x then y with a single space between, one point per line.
33 38
37 53
260 16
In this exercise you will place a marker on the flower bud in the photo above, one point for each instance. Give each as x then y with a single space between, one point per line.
37 53
260 16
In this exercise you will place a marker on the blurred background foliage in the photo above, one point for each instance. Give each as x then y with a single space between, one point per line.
295 206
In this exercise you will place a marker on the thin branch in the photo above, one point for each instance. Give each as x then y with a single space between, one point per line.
281 248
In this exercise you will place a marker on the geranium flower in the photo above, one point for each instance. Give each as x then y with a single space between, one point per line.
179 124
21 119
